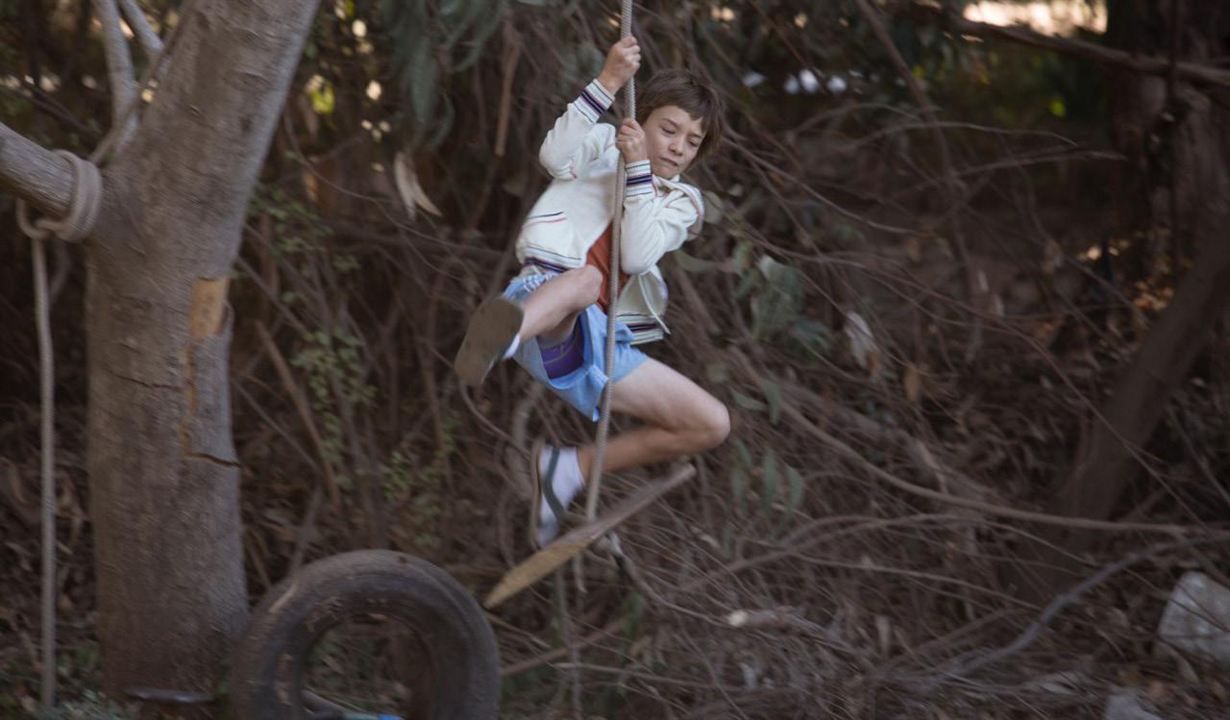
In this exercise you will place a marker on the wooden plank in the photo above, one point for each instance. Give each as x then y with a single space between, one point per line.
545 561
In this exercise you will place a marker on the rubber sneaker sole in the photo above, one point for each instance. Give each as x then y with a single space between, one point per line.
492 329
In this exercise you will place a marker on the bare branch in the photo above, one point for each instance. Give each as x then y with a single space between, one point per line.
1028 636
119 62
34 173
848 453
150 42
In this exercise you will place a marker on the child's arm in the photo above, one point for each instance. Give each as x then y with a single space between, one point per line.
573 141
653 224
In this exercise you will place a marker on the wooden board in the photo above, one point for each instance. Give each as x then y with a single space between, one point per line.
545 561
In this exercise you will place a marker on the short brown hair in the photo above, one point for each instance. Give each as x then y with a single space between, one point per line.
691 93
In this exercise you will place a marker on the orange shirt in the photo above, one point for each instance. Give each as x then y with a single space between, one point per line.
600 257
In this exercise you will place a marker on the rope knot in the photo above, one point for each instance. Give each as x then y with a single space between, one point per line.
82 209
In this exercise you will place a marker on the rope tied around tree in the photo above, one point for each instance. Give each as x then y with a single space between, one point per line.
76 225
82 209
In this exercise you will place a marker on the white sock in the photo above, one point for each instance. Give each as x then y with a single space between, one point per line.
512 347
568 479
566 482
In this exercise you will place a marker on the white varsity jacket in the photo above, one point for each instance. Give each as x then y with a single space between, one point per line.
660 214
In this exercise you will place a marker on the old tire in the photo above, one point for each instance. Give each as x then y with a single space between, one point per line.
268 664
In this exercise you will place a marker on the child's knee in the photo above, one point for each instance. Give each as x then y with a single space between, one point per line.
712 426
589 284
719 425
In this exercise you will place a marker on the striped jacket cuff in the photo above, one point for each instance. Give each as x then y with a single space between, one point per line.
640 179
593 101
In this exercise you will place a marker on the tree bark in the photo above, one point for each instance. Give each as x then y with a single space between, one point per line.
163 471
34 173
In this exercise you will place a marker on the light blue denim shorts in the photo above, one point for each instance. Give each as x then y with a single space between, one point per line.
581 388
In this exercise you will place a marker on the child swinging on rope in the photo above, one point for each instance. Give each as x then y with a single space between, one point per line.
552 317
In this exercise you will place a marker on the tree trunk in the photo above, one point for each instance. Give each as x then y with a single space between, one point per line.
1197 150
163 472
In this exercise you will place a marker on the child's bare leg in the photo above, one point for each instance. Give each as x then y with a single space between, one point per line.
551 309
680 417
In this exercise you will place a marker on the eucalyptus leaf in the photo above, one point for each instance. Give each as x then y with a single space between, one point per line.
747 283
780 301
693 264
742 257
423 74
773 394
634 610
768 477
714 208
486 27
443 121
813 334
738 487
745 455
747 403
794 480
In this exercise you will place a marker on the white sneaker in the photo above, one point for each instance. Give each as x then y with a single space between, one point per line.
556 477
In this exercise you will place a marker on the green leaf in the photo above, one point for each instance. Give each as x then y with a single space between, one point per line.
738 487
443 122
773 394
847 235
813 334
745 456
693 264
795 480
633 612
423 73
747 403
747 283
488 21
768 478
780 301
714 209
742 257
323 99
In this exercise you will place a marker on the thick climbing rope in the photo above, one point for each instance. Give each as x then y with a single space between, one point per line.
82 213
604 421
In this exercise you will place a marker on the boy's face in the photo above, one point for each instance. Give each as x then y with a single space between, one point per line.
672 139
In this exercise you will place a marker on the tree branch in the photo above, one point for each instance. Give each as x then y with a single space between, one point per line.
853 456
119 62
968 666
150 42
1192 72
34 174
